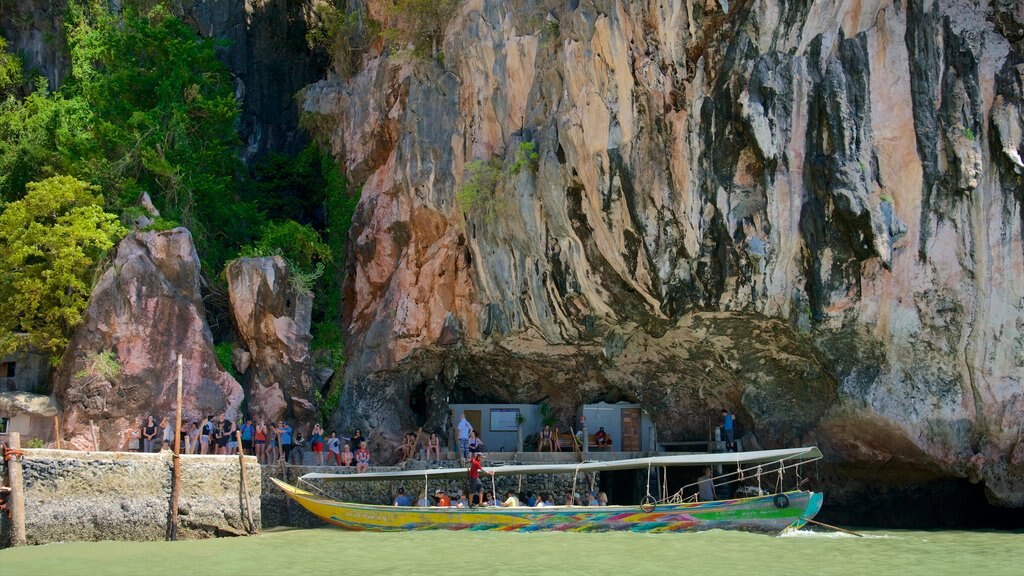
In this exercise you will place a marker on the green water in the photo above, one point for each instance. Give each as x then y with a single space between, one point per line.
336 552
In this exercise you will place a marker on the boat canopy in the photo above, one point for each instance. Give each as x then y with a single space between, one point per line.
726 458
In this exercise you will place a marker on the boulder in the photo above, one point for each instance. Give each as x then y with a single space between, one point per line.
121 365
273 321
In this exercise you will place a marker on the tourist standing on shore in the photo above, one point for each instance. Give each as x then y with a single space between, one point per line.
167 434
206 435
227 435
727 431
148 434
362 458
316 444
193 438
261 442
248 431
298 452
464 429
272 443
357 438
334 449
135 437
285 432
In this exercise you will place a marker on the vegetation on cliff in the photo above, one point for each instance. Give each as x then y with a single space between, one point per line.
147 107
50 240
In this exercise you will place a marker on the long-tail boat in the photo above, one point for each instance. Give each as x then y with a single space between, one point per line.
771 513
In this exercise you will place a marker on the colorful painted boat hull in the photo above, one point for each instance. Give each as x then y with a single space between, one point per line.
760 514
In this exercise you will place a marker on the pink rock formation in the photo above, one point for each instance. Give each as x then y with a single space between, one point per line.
273 319
145 310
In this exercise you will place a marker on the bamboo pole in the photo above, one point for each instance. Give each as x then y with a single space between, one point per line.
284 477
834 527
172 532
56 431
245 483
92 430
16 498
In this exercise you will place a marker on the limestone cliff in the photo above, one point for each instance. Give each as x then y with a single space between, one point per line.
811 212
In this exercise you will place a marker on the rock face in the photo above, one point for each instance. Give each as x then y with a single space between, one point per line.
273 320
809 212
145 309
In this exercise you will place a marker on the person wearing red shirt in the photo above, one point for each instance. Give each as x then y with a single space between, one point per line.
476 487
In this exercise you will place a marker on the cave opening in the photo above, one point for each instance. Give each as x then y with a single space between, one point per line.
418 403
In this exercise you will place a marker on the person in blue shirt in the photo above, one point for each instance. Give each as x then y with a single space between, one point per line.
248 430
727 431
402 499
286 439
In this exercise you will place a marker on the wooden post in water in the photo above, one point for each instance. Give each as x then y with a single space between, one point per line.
172 531
251 527
16 499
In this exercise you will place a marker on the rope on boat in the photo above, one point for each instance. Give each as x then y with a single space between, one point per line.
740 476
314 487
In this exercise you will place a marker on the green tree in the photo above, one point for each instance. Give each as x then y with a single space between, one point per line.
165 115
43 135
10 70
50 240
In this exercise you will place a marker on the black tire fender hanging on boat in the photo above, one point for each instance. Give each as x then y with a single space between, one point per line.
648 503
781 501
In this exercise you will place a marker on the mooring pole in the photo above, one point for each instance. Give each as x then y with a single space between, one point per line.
172 532
16 498
245 483
92 430
56 431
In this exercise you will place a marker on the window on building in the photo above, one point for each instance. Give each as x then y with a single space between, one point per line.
7 372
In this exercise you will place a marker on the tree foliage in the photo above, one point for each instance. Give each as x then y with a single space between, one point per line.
165 115
50 241
10 70
342 31
418 25
147 106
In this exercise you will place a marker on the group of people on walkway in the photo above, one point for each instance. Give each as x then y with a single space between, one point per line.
270 443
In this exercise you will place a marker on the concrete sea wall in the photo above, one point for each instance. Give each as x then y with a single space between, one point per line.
93 496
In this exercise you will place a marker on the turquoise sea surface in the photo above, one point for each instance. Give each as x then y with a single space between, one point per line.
715 553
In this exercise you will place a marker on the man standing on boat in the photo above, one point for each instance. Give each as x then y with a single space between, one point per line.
476 487
464 429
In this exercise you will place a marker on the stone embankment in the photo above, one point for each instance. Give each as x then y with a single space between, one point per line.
89 496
